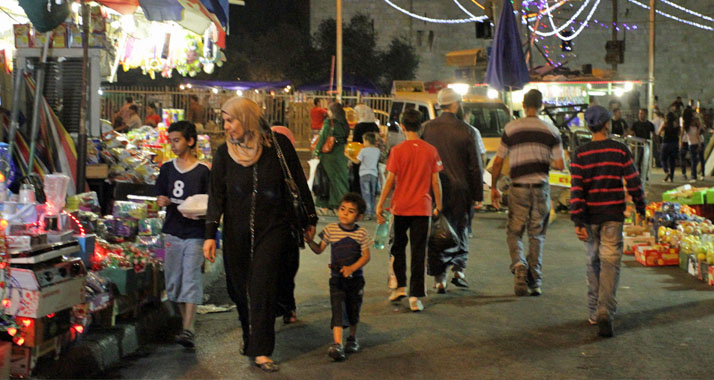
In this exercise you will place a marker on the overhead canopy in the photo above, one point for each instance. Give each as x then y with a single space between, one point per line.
463 58
238 85
193 15
349 83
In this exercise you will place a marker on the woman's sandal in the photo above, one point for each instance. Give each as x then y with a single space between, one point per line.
290 317
268 366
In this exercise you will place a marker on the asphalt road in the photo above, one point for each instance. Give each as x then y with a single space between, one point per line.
664 325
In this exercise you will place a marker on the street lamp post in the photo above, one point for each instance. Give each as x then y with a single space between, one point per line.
339 51
651 75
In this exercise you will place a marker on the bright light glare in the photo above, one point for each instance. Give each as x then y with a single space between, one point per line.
460 88
127 23
619 92
492 94
629 86
100 92
215 90
189 85
517 96
556 91
239 92
597 93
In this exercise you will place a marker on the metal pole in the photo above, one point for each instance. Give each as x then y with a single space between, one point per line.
651 69
339 50
37 104
15 112
614 29
82 137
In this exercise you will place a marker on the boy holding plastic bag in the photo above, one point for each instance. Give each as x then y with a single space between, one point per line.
178 180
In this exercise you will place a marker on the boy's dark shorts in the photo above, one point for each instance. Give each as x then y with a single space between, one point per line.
346 299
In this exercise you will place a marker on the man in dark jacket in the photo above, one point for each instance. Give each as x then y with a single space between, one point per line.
461 181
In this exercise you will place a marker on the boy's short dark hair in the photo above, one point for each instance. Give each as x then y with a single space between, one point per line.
412 120
355 199
134 108
129 99
152 106
187 129
316 101
533 99
194 97
371 137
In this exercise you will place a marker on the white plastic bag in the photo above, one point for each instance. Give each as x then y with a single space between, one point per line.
313 169
194 206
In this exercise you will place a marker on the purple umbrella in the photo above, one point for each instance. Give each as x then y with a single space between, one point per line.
507 68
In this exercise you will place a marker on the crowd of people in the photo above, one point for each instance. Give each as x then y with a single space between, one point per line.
433 170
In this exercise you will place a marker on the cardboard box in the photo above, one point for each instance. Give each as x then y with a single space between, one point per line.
59 36
23 35
630 242
98 171
127 280
38 302
657 255
692 265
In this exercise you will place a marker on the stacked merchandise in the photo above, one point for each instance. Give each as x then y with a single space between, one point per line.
44 284
130 250
135 156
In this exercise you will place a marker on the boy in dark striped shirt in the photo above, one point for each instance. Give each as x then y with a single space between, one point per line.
597 207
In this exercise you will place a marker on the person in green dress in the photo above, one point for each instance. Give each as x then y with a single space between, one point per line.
334 162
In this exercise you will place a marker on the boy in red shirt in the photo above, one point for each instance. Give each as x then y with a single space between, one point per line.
414 165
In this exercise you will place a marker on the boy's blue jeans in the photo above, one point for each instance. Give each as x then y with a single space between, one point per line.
368 185
604 255
528 208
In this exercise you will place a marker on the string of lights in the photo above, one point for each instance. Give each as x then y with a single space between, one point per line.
436 20
458 4
557 30
673 17
683 9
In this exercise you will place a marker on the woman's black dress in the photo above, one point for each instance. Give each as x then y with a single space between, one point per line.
252 276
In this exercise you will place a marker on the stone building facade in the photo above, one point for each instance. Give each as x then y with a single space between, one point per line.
684 57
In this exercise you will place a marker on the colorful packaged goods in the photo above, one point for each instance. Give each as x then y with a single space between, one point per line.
657 255
23 35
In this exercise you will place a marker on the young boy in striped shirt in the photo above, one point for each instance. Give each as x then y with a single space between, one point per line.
597 206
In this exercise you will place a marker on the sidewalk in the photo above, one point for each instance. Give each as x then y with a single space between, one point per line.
102 348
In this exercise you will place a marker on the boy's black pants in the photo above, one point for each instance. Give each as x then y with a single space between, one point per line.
418 227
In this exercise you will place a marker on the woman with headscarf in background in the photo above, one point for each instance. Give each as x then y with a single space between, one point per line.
248 189
334 161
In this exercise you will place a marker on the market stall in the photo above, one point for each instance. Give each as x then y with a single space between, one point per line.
65 265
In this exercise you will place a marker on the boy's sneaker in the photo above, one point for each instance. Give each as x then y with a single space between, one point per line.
397 294
605 327
415 304
336 352
440 283
520 279
185 339
535 292
352 345
459 279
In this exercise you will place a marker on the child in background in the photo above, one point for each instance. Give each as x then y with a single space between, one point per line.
597 207
368 158
349 253
179 179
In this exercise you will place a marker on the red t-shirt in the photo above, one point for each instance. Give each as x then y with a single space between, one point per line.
154 120
413 162
317 117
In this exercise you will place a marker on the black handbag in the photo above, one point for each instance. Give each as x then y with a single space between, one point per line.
442 236
321 183
300 212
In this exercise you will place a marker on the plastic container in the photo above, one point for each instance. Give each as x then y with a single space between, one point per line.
381 235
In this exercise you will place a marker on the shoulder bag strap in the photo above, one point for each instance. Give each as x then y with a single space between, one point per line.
292 186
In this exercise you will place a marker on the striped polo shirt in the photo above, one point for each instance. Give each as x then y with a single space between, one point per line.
347 246
597 194
531 145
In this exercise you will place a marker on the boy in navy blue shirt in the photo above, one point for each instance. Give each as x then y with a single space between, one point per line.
179 179
350 252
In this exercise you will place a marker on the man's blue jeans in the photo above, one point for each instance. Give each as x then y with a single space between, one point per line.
604 255
368 185
528 207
